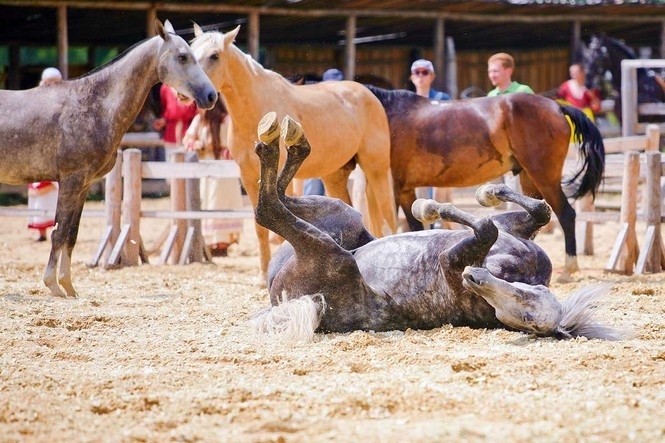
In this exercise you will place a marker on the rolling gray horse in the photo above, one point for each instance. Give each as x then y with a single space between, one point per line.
334 278
69 131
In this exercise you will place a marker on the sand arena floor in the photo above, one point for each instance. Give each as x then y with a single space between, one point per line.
163 353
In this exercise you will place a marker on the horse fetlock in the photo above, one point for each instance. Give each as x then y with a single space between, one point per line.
425 210
491 194
268 128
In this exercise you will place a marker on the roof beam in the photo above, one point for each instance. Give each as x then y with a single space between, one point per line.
532 17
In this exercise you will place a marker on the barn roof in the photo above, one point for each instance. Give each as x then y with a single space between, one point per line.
475 24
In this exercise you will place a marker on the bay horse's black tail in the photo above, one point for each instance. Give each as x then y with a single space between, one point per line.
592 153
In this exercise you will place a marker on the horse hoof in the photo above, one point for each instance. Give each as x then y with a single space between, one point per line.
425 210
486 197
291 131
268 128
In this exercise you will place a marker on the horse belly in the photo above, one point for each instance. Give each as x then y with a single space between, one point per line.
409 288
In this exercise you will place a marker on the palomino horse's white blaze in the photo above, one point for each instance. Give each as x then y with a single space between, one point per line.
69 131
345 122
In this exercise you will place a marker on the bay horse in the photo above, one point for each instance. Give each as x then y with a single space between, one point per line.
347 125
492 276
604 54
70 131
462 143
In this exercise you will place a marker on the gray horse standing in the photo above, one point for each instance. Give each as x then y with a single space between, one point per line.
69 131
333 278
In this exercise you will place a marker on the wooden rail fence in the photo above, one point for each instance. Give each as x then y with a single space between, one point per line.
631 161
123 244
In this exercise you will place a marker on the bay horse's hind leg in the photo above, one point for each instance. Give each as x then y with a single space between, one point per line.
518 223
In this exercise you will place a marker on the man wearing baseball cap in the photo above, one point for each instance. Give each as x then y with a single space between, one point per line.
422 76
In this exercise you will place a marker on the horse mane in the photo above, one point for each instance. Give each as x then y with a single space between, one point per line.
115 59
621 46
577 318
396 101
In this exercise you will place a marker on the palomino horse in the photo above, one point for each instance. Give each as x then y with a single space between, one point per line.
70 131
470 142
492 276
347 125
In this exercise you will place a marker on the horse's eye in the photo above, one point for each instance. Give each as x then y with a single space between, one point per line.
214 56
182 58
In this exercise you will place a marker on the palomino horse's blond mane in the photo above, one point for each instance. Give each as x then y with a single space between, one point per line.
344 121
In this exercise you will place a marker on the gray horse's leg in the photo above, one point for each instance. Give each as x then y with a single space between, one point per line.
63 238
470 250
297 153
516 223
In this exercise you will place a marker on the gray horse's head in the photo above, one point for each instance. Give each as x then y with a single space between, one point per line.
518 305
179 69
535 309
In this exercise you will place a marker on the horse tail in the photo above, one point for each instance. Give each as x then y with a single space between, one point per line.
291 321
577 316
592 152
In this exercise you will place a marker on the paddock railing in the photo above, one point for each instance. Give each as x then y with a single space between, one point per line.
634 162
121 241
630 109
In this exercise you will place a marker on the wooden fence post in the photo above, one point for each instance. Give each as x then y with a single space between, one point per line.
652 258
625 251
178 196
132 205
194 244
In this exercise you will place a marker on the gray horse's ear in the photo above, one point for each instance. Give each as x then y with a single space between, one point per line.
230 36
198 32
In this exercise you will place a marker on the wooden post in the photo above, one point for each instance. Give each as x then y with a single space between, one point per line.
112 211
178 196
193 203
131 169
253 35
625 252
113 199
584 228
652 258
628 99
653 134
63 42
350 73
439 54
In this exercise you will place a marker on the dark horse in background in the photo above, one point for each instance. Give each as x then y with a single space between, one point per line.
463 143
603 55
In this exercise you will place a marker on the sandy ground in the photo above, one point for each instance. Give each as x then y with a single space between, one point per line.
163 353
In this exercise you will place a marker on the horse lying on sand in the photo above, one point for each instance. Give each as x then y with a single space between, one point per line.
462 143
493 276
70 131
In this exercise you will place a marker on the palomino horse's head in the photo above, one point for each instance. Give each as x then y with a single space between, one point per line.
179 69
209 48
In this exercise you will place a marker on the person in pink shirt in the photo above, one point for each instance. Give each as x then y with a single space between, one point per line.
575 92
175 119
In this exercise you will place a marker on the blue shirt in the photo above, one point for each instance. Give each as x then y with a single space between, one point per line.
438 95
